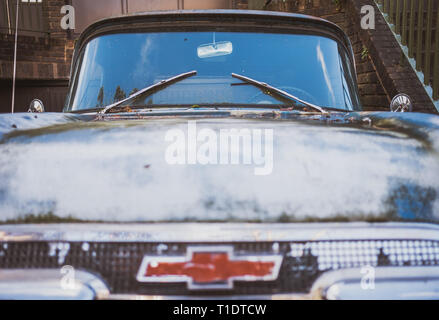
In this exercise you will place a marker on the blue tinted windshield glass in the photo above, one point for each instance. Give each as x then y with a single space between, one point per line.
311 67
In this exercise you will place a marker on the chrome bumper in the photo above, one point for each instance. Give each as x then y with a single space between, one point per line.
50 284
386 283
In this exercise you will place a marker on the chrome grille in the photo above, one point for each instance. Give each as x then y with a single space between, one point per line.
118 262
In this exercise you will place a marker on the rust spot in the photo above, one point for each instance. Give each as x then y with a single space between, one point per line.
120 109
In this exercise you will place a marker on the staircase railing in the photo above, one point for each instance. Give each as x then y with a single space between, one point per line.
417 23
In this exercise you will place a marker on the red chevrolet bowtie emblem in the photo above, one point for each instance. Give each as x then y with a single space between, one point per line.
209 268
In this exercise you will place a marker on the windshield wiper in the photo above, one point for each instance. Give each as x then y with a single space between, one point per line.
264 86
151 89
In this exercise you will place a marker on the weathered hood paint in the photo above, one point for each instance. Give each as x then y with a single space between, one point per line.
357 166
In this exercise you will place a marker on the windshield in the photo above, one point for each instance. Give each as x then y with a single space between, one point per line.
311 67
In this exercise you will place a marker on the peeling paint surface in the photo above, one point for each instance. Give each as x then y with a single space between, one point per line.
96 171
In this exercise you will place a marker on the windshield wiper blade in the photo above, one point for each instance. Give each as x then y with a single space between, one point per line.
264 86
158 86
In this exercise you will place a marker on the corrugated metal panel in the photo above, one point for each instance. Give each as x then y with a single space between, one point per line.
5 20
52 93
31 20
88 11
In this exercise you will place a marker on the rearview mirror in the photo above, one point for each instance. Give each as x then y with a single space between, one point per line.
215 49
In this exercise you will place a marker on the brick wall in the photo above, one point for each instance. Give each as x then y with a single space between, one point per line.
373 93
391 65
39 57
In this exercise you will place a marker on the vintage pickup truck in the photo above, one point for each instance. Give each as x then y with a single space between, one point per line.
225 154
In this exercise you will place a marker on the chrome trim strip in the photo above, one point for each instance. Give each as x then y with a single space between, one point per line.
292 296
218 232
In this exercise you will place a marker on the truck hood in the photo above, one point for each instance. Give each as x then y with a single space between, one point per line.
351 167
